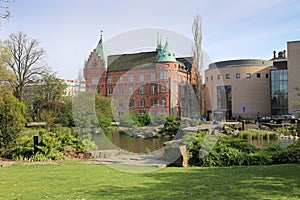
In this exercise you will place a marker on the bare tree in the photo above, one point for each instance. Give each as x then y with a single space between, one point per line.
198 61
4 12
26 61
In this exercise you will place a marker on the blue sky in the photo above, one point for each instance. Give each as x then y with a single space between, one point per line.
69 29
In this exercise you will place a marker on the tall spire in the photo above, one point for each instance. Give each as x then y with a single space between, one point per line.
158 43
84 63
166 48
100 49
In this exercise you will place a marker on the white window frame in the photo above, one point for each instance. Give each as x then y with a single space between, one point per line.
153 89
120 79
142 77
120 90
163 75
130 89
152 76
142 89
95 80
142 103
130 78
109 79
120 103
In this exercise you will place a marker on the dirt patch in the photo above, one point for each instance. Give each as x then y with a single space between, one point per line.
6 163
10 163
38 163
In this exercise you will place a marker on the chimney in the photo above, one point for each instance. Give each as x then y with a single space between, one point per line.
274 54
284 53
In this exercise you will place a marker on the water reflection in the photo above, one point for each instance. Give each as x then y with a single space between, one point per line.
260 143
126 142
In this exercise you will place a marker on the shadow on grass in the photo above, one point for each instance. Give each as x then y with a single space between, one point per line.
264 182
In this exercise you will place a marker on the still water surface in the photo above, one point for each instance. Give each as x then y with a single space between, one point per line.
121 140
260 143
127 142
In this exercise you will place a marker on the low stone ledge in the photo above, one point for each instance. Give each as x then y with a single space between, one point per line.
104 153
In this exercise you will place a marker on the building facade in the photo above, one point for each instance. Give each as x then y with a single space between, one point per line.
238 88
247 88
94 66
73 87
142 82
293 49
279 84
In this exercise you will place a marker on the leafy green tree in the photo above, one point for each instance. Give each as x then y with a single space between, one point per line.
103 110
45 98
11 122
66 114
91 110
132 119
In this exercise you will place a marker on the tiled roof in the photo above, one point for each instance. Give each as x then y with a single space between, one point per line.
143 60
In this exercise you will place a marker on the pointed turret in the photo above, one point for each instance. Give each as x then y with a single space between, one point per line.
100 49
166 55
166 47
84 63
158 43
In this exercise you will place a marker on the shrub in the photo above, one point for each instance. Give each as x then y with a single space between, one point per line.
171 126
258 158
158 119
11 122
104 122
58 143
133 119
230 151
289 155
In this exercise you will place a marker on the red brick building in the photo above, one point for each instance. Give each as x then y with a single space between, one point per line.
152 81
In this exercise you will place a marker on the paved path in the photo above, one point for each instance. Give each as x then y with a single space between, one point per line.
132 159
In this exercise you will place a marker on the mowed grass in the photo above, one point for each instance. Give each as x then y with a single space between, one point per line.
73 180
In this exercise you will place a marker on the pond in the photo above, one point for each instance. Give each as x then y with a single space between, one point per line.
121 140
260 143
115 140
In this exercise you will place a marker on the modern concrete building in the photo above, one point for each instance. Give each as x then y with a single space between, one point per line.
249 87
279 84
293 50
238 88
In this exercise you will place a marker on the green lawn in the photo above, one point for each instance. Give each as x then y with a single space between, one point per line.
72 180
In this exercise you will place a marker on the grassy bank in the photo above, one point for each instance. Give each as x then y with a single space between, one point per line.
72 180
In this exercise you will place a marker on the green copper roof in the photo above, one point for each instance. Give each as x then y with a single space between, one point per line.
101 51
166 55
84 63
